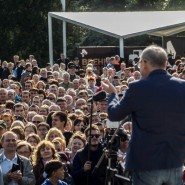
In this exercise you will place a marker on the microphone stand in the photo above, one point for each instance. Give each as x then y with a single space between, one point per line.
89 147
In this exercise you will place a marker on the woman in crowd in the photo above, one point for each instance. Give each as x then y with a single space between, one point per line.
30 115
17 123
41 85
8 118
44 152
19 132
30 128
33 139
53 133
25 149
77 141
79 124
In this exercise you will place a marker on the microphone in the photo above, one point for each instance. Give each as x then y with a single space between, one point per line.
99 96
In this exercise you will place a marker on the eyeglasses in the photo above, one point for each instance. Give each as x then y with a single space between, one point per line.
94 135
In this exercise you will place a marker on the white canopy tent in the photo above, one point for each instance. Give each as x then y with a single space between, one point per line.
121 25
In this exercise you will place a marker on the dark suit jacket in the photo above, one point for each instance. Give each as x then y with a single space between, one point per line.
157 106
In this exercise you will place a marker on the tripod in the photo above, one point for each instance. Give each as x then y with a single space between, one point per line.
112 176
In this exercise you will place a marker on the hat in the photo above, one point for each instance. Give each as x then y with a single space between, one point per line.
2 124
71 65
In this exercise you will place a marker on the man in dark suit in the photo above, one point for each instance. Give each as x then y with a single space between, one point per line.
156 102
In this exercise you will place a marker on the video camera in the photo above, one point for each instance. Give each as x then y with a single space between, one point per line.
115 144
112 140
116 170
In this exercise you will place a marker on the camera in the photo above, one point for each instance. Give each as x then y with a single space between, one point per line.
115 143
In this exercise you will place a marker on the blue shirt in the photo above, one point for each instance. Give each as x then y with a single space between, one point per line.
6 166
47 182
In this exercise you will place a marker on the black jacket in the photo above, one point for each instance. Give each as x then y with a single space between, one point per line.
80 176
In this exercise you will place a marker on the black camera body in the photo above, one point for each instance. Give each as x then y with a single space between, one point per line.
115 143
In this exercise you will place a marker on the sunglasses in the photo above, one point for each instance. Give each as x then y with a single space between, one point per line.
94 135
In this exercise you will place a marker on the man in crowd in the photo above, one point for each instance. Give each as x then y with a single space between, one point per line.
19 109
84 165
16 169
3 95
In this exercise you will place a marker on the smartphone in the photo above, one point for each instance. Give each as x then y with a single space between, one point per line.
15 167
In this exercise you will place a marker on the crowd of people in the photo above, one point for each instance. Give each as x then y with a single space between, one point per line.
45 116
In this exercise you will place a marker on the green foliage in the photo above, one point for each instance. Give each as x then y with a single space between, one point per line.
24 28
175 5
24 25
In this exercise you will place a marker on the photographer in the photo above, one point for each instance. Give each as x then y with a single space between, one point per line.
83 167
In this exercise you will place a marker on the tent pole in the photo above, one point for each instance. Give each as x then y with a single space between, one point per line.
64 39
162 41
50 39
121 47
63 2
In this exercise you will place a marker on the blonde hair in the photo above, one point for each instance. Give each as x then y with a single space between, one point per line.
54 130
77 135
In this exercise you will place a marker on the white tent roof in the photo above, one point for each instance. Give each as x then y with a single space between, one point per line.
127 24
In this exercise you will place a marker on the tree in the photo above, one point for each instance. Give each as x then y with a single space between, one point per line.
24 28
24 25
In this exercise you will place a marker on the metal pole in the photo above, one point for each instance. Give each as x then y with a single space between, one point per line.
64 29
64 39
162 42
121 47
50 39
63 2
